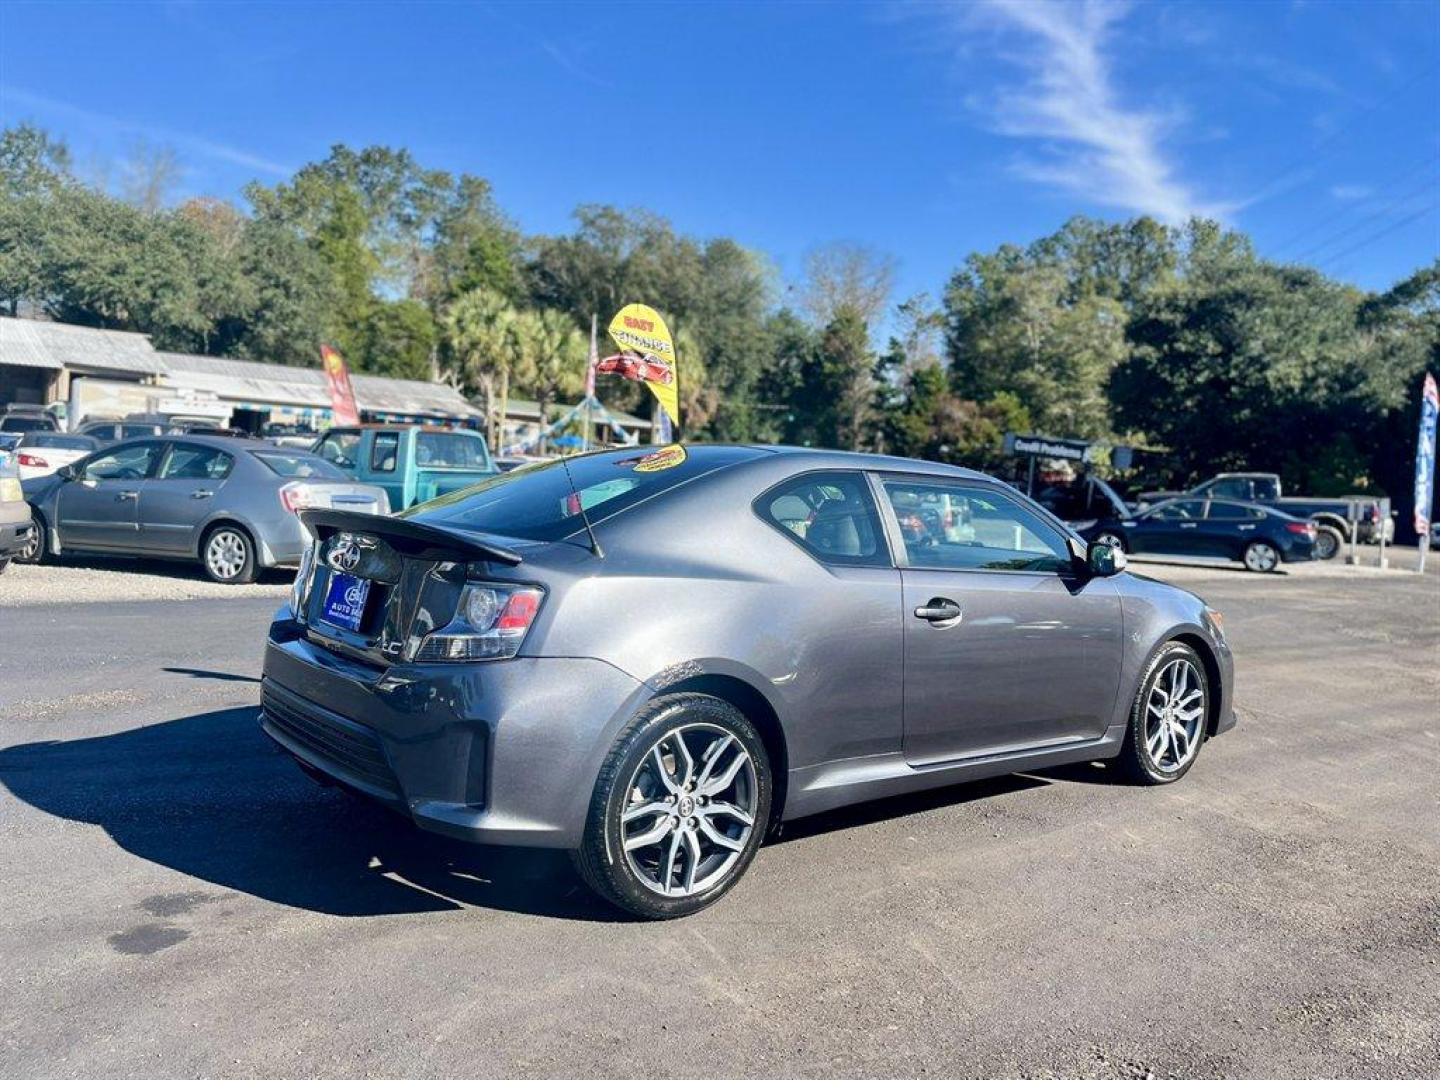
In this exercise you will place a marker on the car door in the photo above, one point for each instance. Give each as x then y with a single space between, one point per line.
1007 646
99 509
1172 528
1228 527
181 496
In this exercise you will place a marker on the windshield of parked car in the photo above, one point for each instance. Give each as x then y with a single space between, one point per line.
300 466
537 502
50 440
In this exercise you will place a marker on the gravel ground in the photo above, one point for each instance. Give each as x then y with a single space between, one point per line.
180 901
103 581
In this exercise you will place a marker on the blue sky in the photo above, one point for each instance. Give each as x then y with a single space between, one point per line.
926 131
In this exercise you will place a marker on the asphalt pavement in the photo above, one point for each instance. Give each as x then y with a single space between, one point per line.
180 901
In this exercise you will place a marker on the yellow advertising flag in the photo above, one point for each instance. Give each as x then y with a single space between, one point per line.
647 355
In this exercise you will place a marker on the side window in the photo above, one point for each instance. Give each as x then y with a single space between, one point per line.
340 448
131 431
1266 488
830 515
961 527
130 462
1183 510
385 451
440 450
1233 488
1223 511
196 463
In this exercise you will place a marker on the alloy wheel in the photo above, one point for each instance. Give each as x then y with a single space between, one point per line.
226 554
1175 715
1261 558
690 810
1110 539
31 551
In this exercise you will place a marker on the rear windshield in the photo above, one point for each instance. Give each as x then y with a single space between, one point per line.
537 502
59 442
443 450
26 423
300 466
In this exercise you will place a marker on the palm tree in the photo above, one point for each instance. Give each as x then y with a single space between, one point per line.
552 354
478 329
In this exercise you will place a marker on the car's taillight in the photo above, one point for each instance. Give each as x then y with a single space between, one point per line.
1303 528
490 623
33 461
296 497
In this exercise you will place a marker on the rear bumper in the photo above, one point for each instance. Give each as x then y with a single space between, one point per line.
505 752
14 529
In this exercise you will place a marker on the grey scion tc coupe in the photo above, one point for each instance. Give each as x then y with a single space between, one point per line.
653 658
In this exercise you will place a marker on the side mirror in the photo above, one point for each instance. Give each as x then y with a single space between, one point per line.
66 472
1105 560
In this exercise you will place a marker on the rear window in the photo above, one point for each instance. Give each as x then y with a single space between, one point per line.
443 450
300 466
59 442
26 423
537 502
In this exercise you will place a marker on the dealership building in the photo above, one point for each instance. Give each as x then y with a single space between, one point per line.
82 372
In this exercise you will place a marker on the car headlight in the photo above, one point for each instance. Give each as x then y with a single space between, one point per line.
300 591
490 623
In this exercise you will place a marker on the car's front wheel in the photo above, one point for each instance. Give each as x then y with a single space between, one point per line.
679 809
1168 717
36 545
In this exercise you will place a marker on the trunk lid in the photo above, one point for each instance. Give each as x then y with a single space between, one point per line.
415 571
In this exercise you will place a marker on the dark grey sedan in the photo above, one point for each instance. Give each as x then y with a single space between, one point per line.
229 503
655 658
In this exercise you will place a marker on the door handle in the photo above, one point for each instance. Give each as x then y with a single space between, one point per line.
201 494
125 496
1188 524
940 610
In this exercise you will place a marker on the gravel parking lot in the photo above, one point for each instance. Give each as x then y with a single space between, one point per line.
181 901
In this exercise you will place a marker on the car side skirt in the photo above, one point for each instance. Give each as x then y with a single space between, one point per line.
834 784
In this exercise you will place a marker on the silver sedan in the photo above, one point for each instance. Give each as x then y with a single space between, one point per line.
230 503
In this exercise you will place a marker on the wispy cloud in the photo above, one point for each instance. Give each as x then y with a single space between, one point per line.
1351 192
1093 144
101 122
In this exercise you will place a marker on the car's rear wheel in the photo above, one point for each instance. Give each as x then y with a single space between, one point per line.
679 809
35 547
1168 717
1260 557
1328 542
228 555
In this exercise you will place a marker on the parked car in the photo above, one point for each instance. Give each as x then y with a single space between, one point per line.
229 503
1257 536
413 464
40 453
296 435
1331 516
18 419
108 431
14 513
655 664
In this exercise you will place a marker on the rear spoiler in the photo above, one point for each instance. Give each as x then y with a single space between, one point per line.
410 537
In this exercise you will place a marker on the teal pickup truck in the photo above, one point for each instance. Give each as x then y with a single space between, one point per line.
413 464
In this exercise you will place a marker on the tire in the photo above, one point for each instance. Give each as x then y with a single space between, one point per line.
1113 539
694 858
37 548
1260 557
228 555
1328 542
1152 755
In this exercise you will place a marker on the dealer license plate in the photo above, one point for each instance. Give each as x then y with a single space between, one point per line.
345 601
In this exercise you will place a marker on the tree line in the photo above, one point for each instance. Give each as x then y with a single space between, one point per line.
1180 339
